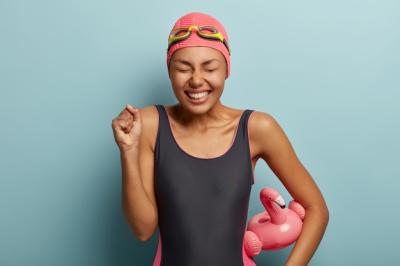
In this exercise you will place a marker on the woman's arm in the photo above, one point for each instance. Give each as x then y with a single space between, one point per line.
138 195
272 145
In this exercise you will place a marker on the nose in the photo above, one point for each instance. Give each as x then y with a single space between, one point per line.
196 80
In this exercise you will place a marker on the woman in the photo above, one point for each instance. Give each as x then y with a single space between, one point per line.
188 168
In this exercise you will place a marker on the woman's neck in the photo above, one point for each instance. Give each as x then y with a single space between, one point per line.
201 121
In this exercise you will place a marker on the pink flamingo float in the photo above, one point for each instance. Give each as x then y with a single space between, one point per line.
275 228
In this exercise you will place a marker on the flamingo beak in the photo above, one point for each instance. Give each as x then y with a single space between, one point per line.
279 200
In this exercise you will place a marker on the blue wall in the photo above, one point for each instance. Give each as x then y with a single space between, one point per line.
327 71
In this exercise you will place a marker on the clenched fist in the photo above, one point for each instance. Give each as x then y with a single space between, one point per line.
127 128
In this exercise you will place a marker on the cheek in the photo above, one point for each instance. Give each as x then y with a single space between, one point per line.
179 80
217 81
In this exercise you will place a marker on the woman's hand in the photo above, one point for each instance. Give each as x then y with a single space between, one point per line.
127 127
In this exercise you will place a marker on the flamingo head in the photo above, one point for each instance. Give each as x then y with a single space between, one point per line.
269 196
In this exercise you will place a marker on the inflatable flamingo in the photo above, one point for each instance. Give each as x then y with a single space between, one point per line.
275 228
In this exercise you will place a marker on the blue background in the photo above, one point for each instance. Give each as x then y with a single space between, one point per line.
327 71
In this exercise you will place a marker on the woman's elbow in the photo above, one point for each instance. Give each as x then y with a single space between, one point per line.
146 236
323 211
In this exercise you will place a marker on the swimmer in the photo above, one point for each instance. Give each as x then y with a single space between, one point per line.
188 168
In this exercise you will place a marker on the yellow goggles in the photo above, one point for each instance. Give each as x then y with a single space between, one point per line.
206 31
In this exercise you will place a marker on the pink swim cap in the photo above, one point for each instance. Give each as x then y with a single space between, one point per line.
197 18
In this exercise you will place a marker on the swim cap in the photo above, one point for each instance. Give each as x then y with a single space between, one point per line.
197 18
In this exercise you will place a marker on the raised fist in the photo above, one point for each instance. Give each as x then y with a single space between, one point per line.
127 128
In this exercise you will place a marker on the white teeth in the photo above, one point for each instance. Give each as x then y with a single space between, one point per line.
198 95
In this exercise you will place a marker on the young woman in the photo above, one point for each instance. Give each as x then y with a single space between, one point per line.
188 168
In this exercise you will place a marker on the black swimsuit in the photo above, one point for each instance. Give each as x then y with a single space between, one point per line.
202 202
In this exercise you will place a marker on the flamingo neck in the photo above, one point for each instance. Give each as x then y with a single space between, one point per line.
277 213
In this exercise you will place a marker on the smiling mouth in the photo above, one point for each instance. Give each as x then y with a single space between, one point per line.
198 96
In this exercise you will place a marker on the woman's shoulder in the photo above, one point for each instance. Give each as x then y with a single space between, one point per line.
261 122
262 128
149 115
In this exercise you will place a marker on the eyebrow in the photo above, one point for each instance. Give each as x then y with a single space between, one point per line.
188 63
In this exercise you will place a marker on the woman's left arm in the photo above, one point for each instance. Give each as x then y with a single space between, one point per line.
273 146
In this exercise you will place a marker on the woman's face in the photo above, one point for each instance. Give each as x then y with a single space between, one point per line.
197 69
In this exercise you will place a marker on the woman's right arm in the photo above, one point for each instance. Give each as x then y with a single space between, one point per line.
137 161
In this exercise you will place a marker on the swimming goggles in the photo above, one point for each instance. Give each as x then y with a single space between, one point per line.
206 31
